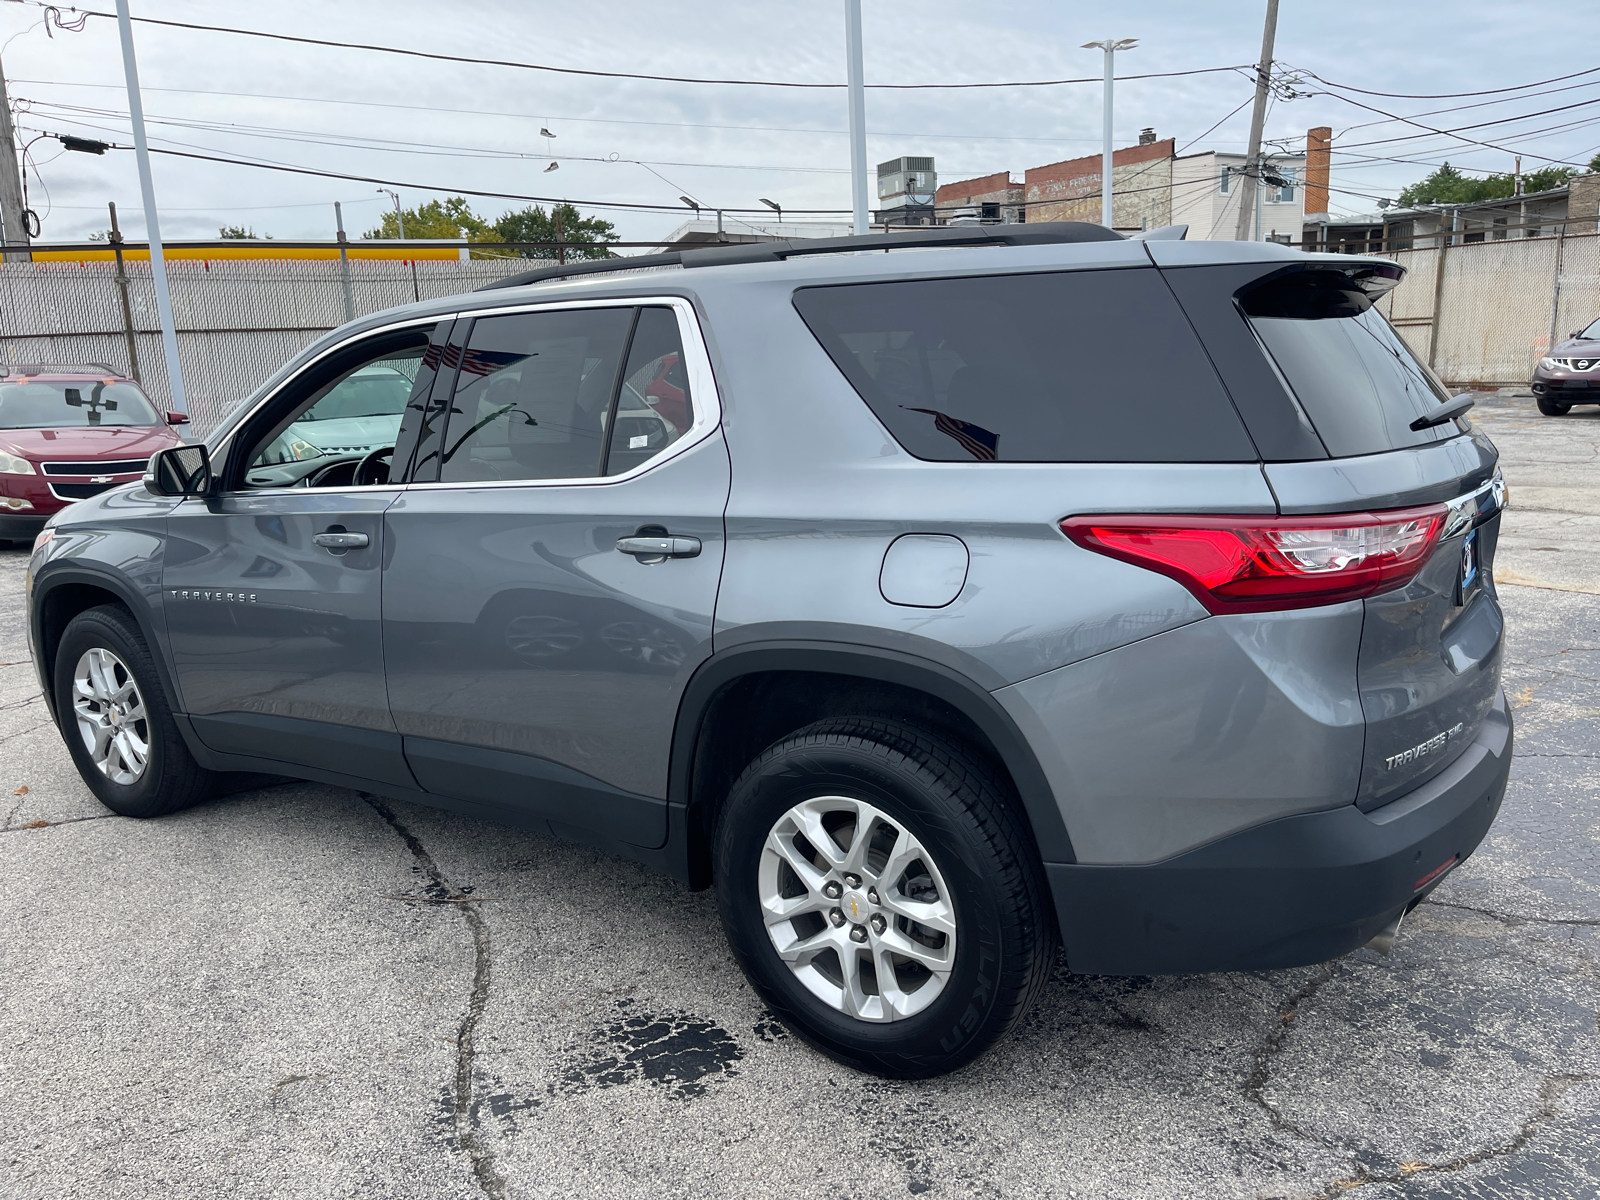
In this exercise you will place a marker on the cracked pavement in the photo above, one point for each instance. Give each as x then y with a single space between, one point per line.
303 991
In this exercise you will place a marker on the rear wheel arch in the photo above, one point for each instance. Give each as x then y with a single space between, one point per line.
741 701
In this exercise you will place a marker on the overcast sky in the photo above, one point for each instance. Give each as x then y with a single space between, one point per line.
429 123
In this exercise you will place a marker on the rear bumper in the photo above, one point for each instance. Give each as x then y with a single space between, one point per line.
1294 891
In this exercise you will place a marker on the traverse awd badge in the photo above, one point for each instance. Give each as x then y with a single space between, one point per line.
1428 747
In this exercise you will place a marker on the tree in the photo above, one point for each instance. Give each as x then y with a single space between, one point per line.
534 224
1449 186
240 232
1594 165
450 218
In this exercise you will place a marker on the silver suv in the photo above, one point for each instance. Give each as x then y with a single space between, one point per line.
1018 588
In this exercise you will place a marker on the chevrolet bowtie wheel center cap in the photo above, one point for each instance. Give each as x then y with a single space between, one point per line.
856 907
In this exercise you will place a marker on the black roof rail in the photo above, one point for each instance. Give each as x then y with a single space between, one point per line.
1042 233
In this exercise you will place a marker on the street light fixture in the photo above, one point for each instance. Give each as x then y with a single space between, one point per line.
691 204
774 206
1110 46
399 216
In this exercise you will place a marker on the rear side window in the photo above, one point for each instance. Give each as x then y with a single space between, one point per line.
1353 375
1082 366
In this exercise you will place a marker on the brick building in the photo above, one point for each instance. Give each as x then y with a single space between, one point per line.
996 197
1141 187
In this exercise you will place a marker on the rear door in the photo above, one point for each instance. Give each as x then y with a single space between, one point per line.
534 663
1313 357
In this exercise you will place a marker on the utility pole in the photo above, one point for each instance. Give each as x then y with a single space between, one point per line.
1258 117
344 262
1110 46
858 115
122 290
152 224
13 221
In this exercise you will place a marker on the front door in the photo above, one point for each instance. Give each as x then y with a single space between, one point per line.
272 586
534 662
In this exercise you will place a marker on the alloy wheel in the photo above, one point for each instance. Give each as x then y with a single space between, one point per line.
111 716
857 909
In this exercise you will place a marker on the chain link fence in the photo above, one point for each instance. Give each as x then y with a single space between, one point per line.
237 320
1483 312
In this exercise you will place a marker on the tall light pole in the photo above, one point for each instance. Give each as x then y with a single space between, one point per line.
858 115
152 224
1110 46
399 215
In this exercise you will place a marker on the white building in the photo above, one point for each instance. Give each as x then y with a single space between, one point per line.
1206 189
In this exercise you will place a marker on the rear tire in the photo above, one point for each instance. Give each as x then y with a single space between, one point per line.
1551 409
950 936
115 718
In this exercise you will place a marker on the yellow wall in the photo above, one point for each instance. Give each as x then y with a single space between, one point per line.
254 250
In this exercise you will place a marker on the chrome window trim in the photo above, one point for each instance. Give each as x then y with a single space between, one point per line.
702 390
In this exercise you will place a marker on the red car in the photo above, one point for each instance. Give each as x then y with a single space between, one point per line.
68 433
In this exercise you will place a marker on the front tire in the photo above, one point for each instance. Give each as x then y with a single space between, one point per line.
1552 409
883 896
117 722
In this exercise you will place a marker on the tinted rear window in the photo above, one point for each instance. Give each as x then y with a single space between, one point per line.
1353 374
1082 366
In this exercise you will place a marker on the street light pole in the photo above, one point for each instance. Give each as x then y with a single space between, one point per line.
152 224
1110 46
858 116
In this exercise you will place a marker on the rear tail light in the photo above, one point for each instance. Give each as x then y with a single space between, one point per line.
1264 564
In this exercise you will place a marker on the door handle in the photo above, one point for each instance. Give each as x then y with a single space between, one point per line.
340 540
659 549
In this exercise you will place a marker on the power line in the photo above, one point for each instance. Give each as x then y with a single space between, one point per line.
1477 125
399 146
484 112
524 66
1447 95
1449 133
428 187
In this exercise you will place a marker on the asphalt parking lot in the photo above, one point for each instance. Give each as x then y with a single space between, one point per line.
240 1000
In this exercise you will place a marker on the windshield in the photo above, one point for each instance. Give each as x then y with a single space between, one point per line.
1593 331
369 392
68 405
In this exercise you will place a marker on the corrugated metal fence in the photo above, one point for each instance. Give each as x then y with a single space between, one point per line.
1484 312
238 320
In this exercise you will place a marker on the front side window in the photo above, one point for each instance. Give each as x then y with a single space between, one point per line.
38 404
1069 366
346 414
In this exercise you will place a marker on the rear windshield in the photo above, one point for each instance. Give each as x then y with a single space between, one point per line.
37 404
1081 366
1353 374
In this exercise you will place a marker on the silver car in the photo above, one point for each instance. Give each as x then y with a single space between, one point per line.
1023 591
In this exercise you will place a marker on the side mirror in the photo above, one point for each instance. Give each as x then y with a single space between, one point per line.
179 471
177 418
